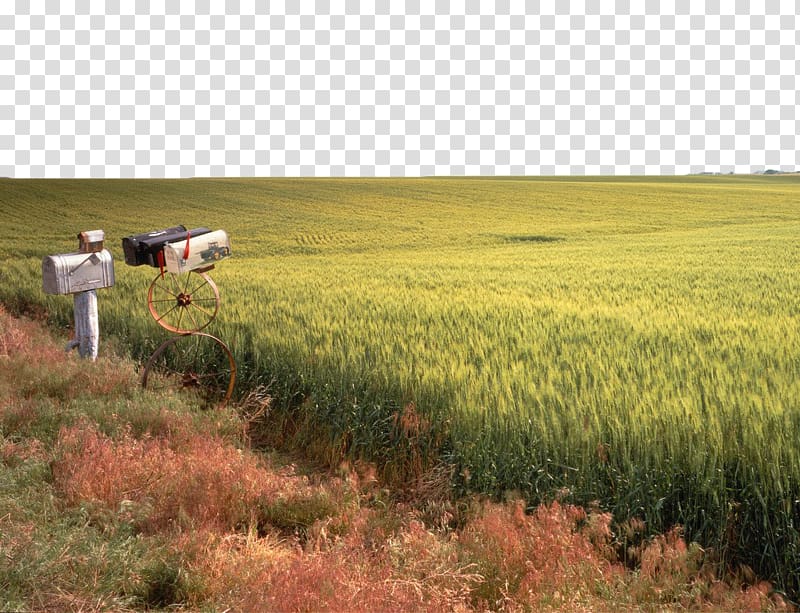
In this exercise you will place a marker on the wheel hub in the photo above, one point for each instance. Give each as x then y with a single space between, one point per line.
184 300
190 379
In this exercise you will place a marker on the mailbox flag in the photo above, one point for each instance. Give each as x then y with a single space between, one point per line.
186 249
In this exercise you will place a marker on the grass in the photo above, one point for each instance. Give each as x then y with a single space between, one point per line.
630 341
124 500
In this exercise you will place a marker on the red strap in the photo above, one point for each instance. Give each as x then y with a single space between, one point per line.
186 249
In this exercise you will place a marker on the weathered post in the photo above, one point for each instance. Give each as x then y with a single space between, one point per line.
81 273
87 325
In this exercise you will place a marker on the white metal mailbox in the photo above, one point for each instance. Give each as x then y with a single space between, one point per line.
203 251
70 273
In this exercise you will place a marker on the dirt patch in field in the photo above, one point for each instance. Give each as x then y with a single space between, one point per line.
532 238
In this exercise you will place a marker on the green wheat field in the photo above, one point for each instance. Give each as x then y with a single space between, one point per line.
627 342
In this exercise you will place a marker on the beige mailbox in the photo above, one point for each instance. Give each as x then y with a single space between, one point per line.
197 252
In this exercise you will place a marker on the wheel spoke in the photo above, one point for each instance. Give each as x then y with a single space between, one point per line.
180 318
212 375
196 351
190 316
166 290
185 280
201 309
204 282
161 318
175 284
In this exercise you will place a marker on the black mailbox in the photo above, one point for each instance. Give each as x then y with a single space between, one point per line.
144 248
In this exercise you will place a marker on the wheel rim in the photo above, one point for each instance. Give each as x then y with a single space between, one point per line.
183 304
197 363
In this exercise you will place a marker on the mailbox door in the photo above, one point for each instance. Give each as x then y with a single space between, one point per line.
54 279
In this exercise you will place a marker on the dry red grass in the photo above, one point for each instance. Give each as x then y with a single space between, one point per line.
13 453
23 336
201 481
555 556
411 570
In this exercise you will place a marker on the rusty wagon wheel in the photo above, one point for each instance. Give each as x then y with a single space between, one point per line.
196 363
183 303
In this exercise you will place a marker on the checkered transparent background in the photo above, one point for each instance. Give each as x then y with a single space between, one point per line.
372 87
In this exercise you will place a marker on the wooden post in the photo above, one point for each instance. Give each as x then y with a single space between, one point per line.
87 325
